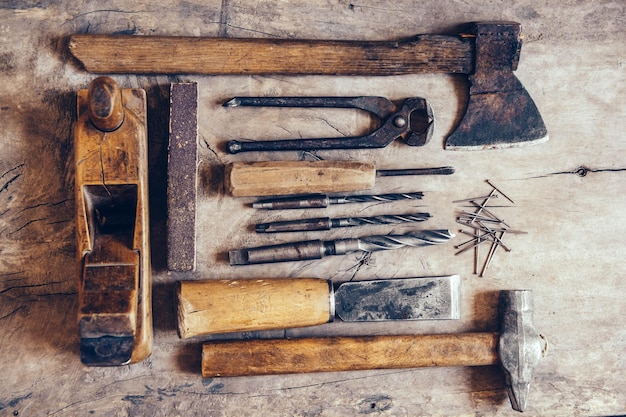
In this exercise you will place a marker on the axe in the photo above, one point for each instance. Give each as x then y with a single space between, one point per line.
499 112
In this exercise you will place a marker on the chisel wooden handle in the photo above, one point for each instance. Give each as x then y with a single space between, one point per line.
188 55
284 356
221 306
248 179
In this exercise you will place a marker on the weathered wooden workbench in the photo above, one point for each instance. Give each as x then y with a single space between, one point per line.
570 196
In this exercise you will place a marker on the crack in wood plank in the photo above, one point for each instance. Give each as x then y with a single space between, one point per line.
28 223
30 286
582 171
5 187
58 203
12 313
14 401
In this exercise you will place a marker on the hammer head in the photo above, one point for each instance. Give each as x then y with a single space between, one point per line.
500 113
520 347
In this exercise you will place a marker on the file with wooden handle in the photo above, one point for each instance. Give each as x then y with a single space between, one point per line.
267 178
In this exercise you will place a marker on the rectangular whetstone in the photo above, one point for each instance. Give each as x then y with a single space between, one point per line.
182 177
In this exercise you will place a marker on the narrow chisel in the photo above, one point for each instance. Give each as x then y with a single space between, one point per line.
267 178
222 306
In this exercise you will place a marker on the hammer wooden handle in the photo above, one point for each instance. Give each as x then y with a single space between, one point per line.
283 356
247 179
189 55
220 306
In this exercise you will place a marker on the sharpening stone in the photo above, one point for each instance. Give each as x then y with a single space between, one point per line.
182 177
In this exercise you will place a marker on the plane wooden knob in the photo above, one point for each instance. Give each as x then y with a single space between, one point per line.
106 110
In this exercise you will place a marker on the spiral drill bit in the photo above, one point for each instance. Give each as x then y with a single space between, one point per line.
386 242
326 223
321 200
317 249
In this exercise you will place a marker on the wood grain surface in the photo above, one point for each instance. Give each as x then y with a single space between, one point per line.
115 54
272 178
332 354
569 193
227 306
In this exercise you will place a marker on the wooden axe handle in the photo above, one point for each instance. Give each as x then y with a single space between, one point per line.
283 356
249 179
189 55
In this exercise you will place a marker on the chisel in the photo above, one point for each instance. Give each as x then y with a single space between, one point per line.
222 306
266 178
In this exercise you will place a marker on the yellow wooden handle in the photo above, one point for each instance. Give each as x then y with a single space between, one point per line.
248 179
221 306
331 354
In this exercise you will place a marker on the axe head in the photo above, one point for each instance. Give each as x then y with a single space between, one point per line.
500 113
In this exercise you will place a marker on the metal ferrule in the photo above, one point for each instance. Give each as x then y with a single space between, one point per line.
301 225
331 298
298 251
311 201
343 246
344 222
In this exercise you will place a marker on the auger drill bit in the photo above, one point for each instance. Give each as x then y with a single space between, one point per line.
327 223
317 249
321 200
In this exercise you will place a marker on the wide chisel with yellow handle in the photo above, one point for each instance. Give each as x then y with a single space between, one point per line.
223 306
266 178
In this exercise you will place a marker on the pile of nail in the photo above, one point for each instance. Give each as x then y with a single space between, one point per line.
484 227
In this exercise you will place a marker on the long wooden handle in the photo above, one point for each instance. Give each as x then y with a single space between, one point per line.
283 356
248 179
221 306
188 55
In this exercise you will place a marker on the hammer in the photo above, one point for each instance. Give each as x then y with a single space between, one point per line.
517 348
499 112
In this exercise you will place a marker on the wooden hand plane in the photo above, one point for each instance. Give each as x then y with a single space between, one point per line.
112 225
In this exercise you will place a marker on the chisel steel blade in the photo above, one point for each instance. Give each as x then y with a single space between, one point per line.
429 298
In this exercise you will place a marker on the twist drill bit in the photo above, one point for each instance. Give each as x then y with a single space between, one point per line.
326 223
317 249
321 200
